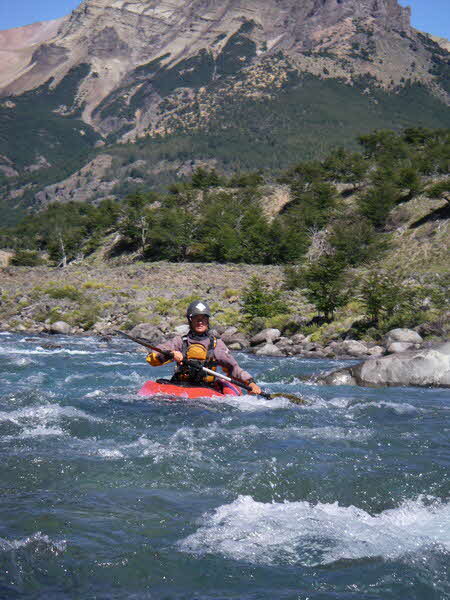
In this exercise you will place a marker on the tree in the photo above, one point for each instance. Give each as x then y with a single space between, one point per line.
356 241
409 179
342 165
389 301
312 207
379 199
259 301
203 179
137 217
326 285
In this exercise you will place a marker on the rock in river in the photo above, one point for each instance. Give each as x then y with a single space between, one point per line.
423 368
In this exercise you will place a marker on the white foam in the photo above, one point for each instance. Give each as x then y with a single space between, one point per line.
40 351
71 378
402 408
114 363
250 403
133 377
242 434
110 453
22 362
38 541
35 379
45 414
42 431
94 394
302 533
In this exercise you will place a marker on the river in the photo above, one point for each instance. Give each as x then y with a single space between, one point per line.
106 495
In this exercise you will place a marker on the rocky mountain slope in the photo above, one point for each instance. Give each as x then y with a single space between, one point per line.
278 73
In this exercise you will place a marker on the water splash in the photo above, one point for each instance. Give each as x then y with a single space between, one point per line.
312 535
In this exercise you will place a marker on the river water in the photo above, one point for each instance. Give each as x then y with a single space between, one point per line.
106 495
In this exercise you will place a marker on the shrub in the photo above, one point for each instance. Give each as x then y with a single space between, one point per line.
259 301
356 241
27 258
64 291
389 302
439 189
230 293
164 307
293 277
96 285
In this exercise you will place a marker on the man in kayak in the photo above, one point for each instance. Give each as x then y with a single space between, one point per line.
200 348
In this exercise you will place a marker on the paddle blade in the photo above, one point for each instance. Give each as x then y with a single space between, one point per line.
291 397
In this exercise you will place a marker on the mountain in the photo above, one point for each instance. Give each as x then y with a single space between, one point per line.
154 87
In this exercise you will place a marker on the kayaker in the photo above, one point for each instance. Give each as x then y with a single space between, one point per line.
200 347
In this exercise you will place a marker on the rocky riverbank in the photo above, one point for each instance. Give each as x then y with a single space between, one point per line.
150 301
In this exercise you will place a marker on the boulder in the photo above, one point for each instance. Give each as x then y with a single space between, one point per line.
268 349
60 327
376 351
350 347
150 332
341 377
235 338
103 328
50 346
266 336
402 335
312 347
181 330
329 352
284 344
399 347
298 338
229 331
236 346
295 350
320 353
422 368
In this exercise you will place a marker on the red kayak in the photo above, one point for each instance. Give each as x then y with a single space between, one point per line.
174 391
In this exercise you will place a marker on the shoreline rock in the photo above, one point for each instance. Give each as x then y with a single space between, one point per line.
427 367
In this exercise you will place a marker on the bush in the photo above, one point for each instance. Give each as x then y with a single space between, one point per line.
377 202
389 302
356 241
64 291
259 301
27 258
439 189
293 277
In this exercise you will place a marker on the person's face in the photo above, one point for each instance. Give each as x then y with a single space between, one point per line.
200 323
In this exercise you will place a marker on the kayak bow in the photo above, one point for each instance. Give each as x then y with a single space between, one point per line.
174 391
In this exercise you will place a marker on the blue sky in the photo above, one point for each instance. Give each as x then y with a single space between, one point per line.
432 16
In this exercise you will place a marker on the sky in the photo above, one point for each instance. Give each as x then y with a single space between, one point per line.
432 16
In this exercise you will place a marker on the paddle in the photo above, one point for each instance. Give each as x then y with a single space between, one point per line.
147 344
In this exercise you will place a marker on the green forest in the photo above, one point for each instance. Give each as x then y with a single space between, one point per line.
213 218
331 238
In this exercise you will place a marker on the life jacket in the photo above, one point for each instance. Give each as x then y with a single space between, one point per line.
197 353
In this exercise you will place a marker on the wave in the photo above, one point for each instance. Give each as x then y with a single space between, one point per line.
38 542
313 535
44 415
250 403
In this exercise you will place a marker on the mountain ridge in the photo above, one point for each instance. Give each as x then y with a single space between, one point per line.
144 71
